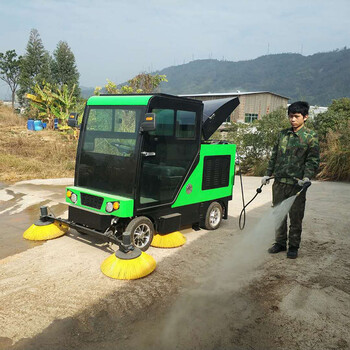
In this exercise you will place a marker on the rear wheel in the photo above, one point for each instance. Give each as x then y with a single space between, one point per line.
213 216
142 231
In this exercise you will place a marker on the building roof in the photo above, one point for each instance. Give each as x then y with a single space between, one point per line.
237 93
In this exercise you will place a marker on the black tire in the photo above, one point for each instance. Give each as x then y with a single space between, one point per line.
142 231
213 217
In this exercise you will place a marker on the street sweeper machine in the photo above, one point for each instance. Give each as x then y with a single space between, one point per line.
145 168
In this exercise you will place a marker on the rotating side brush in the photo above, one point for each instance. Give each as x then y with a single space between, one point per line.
128 262
45 228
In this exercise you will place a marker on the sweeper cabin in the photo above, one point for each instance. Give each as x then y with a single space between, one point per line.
145 166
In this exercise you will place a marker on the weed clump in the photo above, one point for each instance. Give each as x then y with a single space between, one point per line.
335 158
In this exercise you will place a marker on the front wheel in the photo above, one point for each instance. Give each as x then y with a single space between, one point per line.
142 231
213 216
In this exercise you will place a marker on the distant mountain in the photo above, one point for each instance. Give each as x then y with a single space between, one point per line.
318 78
86 92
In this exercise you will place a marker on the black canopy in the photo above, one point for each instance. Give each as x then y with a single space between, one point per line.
215 112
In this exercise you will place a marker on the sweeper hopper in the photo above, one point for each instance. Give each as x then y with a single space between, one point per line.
145 167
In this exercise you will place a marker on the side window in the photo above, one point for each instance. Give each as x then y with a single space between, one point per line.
185 124
165 122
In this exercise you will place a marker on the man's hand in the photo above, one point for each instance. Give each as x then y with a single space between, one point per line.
265 180
302 182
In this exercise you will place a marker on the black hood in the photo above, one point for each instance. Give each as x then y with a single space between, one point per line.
215 112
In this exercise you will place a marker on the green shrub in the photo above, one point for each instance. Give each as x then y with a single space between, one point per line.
336 118
255 141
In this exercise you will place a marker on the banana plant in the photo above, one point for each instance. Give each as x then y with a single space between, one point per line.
43 101
53 102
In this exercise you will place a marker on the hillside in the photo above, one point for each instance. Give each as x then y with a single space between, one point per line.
318 78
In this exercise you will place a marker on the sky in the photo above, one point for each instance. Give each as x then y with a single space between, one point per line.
119 39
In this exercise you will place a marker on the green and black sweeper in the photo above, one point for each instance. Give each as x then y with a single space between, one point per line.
145 168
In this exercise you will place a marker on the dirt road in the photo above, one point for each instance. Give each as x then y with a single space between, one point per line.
221 290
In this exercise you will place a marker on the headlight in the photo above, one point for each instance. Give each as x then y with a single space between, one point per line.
111 206
74 198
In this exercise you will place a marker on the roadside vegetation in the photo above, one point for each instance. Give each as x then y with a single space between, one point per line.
255 141
333 128
28 154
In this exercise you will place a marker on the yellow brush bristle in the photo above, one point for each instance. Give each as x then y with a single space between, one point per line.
128 269
170 240
43 233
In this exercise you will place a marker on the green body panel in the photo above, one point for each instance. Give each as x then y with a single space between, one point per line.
126 204
198 195
141 100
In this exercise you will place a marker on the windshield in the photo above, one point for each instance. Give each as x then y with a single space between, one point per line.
108 161
111 131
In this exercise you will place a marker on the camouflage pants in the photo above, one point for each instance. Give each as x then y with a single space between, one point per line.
280 192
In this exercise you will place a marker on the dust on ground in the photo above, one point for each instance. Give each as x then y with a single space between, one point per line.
221 290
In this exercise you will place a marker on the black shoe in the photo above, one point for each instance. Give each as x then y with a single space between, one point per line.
292 253
276 248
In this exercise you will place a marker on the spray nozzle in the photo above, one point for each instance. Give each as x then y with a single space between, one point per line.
306 185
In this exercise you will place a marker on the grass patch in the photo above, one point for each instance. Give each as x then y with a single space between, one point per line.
28 154
335 158
9 118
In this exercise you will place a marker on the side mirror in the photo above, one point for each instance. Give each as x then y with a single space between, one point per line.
149 122
73 120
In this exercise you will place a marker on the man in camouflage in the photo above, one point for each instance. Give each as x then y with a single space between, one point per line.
294 161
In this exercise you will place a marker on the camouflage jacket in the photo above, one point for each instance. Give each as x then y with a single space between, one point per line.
295 154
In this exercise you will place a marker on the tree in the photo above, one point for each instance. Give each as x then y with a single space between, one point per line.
336 118
10 71
146 82
35 66
64 69
142 83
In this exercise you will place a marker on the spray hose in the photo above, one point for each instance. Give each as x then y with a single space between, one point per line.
243 212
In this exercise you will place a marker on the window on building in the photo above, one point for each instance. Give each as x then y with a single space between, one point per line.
250 117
